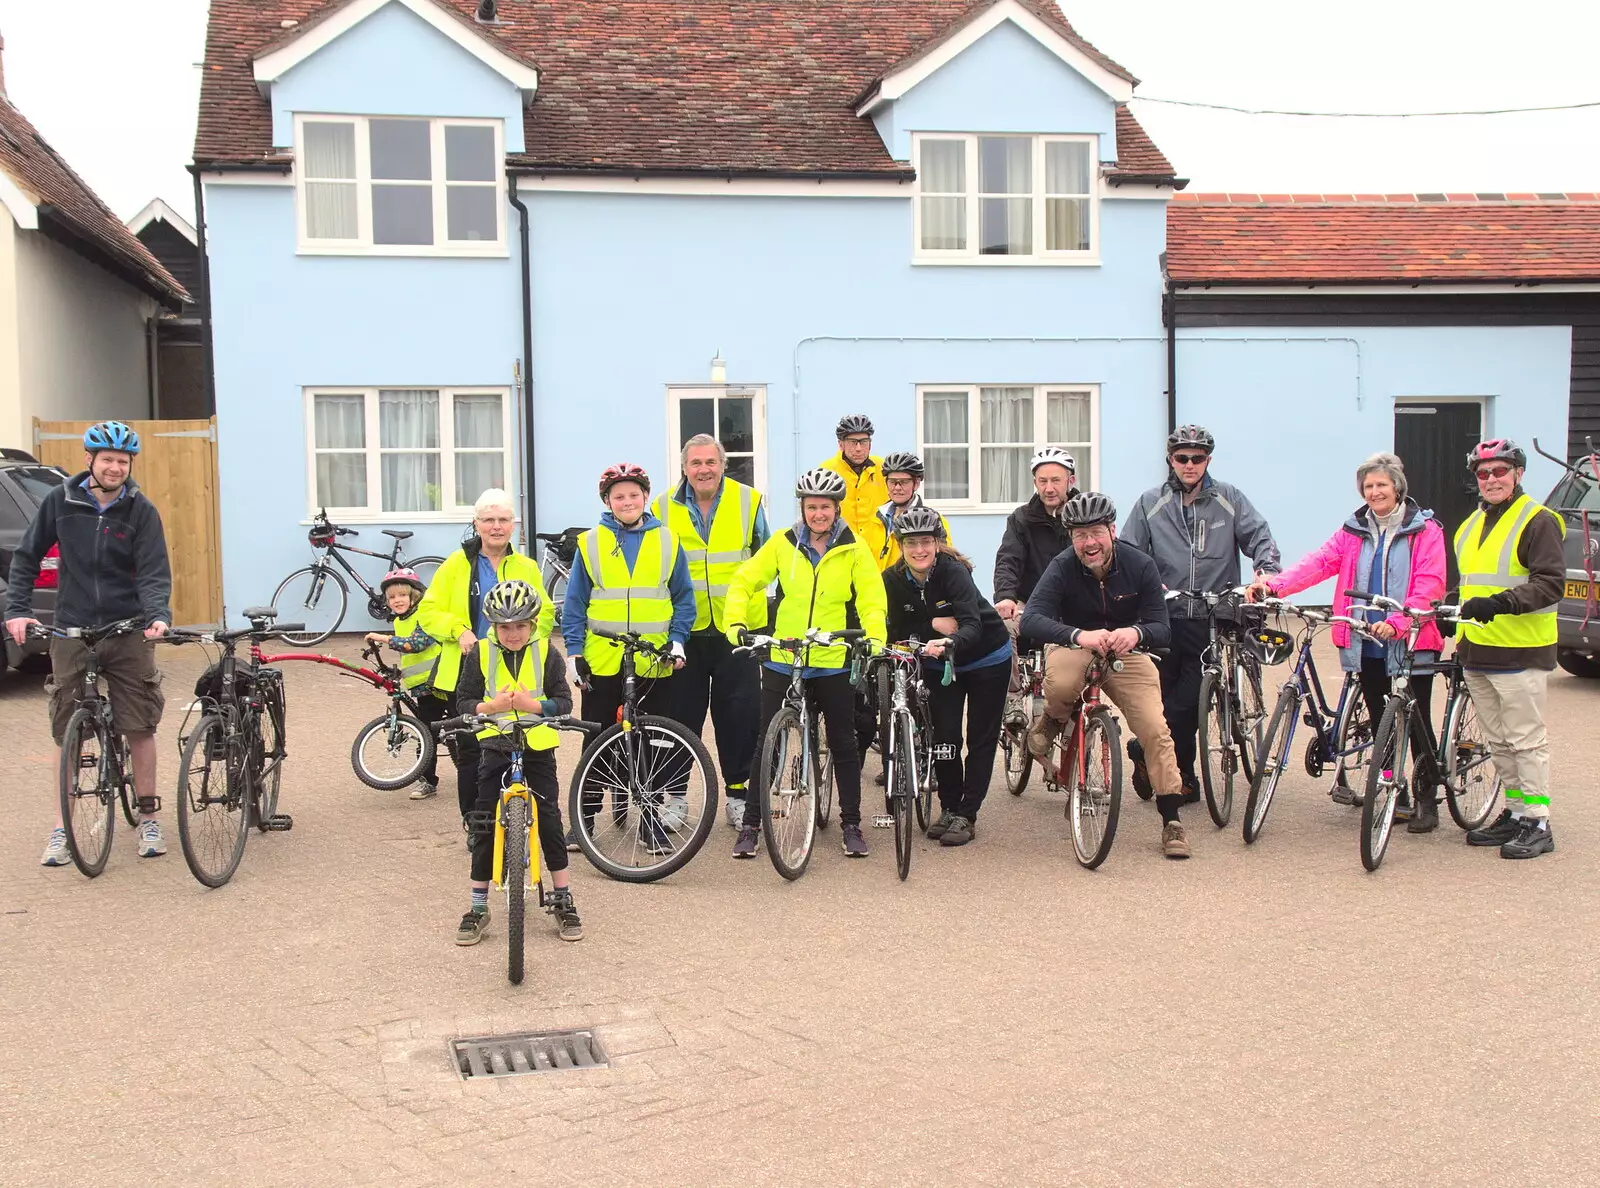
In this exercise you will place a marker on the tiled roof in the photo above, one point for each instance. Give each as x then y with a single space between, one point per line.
1387 239
712 86
1137 156
71 210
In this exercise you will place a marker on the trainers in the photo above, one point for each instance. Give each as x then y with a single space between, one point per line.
151 844
1141 780
654 837
55 850
470 930
674 813
572 841
425 790
1174 841
937 829
568 924
1041 734
1426 819
1191 794
853 844
745 845
1497 832
1534 838
961 831
733 812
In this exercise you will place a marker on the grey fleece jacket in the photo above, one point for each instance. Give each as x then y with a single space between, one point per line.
1225 525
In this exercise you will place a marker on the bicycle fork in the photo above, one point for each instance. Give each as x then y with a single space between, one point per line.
532 873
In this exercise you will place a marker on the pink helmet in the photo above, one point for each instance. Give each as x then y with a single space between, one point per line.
1497 449
623 472
402 575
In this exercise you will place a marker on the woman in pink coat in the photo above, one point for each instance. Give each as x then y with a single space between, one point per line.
1392 547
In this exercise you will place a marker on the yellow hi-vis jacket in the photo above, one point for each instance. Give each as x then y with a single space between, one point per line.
864 494
497 679
712 563
1490 565
628 601
812 595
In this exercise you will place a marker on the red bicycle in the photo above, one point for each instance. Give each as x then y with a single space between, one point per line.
1085 762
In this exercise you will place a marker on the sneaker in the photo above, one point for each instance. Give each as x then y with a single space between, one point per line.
654 838
425 790
745 845
1191 794
470 930
961 831
1534 838
674 813
151 844
853 844
1426 819
1174 841
1497 832
1041 734
568 924
937 829
572 841
55 850
733 812
1141 780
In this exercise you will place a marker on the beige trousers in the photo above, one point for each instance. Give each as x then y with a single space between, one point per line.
1136 690
1510 708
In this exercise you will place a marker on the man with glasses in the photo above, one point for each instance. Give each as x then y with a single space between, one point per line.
902 472
1512 570
865 490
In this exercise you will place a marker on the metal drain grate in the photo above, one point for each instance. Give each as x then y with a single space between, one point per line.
527 1052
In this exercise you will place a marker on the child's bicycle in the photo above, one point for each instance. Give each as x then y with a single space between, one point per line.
516 832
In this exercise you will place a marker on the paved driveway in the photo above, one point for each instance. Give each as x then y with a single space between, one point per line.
1266 1015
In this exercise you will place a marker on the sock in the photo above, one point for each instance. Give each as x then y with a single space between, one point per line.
480 900
1168 807
1514 802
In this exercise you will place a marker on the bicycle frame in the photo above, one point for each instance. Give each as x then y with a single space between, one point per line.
513 787
1089 701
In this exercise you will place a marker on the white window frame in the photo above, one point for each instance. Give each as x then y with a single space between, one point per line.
678 393
454 510
362 244
969 255
1041 411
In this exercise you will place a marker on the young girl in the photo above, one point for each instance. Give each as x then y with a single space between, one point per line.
403 590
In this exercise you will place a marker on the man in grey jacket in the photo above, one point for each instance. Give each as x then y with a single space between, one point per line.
1194 527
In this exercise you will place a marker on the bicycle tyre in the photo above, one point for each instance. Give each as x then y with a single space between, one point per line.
1018 760
903 792
200 806
789 824
425 568
928 778
89 815
269 781
514 872
1383 793
1094 811
821 771
1216 765
1462 732
312 607
1249 708
1271 759
1353 732
407 740
604 768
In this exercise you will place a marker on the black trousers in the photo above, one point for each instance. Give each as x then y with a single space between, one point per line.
981 694
431 708
465 756
835 697
539 770
713 678
1375 686
603 698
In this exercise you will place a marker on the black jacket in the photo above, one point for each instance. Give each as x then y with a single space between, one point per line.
951 591
1032 539
1069 599
470 688
113 563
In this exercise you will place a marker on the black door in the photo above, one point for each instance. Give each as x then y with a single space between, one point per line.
1433 441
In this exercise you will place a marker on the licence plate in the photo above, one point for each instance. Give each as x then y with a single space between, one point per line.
1577 590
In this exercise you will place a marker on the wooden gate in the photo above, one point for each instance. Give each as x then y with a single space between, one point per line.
177 471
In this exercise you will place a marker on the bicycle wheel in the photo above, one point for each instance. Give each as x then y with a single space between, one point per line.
88 798
642 801
1014 748
213 816
1217 756
514 875
425 568
1271 759
1384 775
1249 713
391 751
1095 801
269 768
129 794
788 814
903 791
316 596
927 778
1471 783
1352 736
821 771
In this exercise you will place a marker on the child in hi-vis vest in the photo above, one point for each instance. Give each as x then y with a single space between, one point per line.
403 590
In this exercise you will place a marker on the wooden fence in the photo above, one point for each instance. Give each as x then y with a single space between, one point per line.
177 471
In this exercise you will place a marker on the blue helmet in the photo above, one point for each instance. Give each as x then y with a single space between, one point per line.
111 435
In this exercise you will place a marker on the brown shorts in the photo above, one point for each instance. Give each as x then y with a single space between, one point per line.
128 669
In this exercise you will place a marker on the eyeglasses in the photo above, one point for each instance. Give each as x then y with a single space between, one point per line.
1189 459
856 440
900 481
1493 472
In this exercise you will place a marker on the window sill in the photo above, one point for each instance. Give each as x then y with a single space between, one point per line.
388 251
954 261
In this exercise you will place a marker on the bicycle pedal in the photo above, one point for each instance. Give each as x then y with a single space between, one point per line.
883 822
280 823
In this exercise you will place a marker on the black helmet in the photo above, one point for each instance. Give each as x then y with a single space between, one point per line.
820 483
918 521
1497 449
1089 509
511 601
902 462
853 423
1193 436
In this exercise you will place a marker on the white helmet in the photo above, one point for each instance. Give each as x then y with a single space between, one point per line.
1053 454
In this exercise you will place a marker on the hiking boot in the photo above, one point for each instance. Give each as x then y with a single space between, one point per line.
961 831
151 844
1426 819
470 930
853 844
1497 832
1174 841
55 850
425 790
937 829
1534 838
1041 734
745 845
568 924
733 812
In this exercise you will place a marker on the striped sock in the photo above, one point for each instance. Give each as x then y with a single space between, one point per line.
480 900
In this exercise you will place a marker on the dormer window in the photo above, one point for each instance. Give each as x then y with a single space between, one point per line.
985 199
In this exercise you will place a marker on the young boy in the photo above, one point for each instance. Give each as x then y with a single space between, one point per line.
515 678
403 590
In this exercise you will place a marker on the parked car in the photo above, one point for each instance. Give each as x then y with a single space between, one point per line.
1577 498
24 482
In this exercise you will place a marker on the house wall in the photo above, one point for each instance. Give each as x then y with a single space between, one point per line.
11 422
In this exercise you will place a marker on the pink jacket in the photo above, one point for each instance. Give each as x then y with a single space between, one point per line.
1340 555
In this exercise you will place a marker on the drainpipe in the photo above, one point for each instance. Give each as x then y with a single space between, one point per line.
204 296
152 366
1169 315
530 491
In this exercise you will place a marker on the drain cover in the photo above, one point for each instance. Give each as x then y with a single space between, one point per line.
526 1052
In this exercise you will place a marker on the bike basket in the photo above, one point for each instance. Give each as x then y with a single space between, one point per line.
209 684
1272 645
1230 613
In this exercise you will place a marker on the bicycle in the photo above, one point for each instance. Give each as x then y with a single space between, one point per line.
1022 709
658 777
93 743
1342 734
555 563
516 831
321 597
789 768
906 725
1232 709
1085 762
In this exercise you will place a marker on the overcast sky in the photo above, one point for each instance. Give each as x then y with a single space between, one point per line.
112 84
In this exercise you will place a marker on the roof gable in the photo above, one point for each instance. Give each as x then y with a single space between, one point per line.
158 211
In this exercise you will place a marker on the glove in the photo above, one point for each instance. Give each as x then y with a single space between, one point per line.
738 636
577 672
677 651
1480 610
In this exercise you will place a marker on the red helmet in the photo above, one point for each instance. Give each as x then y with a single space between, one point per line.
402 575
1497 449
620 472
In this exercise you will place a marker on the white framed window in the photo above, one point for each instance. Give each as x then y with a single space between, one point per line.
735 414
405 454
371 185
976 439
1005 199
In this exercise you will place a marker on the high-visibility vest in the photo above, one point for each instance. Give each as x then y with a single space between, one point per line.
622 601
416 668
889 553
712 562
529 679
1489 566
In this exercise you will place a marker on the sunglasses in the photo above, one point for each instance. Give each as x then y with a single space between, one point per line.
1189 459
1493 472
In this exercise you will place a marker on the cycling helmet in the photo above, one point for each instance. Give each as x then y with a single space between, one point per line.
902 462
918 521
821 482
514 601
1193 436
402 576
111 435
1089 509
1053 454
612 475
853 423
1497 449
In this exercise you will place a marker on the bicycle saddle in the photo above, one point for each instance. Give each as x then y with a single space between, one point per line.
398 533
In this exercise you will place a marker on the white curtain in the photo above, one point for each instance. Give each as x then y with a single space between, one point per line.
1006 429
945 439
1067 424
943 171
1005 165
330 153
408 421
480 449
339 424
1066 212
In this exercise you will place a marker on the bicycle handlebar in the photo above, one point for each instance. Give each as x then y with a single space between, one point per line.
93 635
632 641
181 635
815 637
462 723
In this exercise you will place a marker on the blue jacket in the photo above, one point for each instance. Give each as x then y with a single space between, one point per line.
575 610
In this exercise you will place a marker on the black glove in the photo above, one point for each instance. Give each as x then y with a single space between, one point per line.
745 637
1480 610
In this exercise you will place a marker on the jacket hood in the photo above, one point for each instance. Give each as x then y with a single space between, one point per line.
1360 521
643 524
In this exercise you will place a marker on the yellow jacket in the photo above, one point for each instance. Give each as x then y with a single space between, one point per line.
809 595
864 494
889 552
